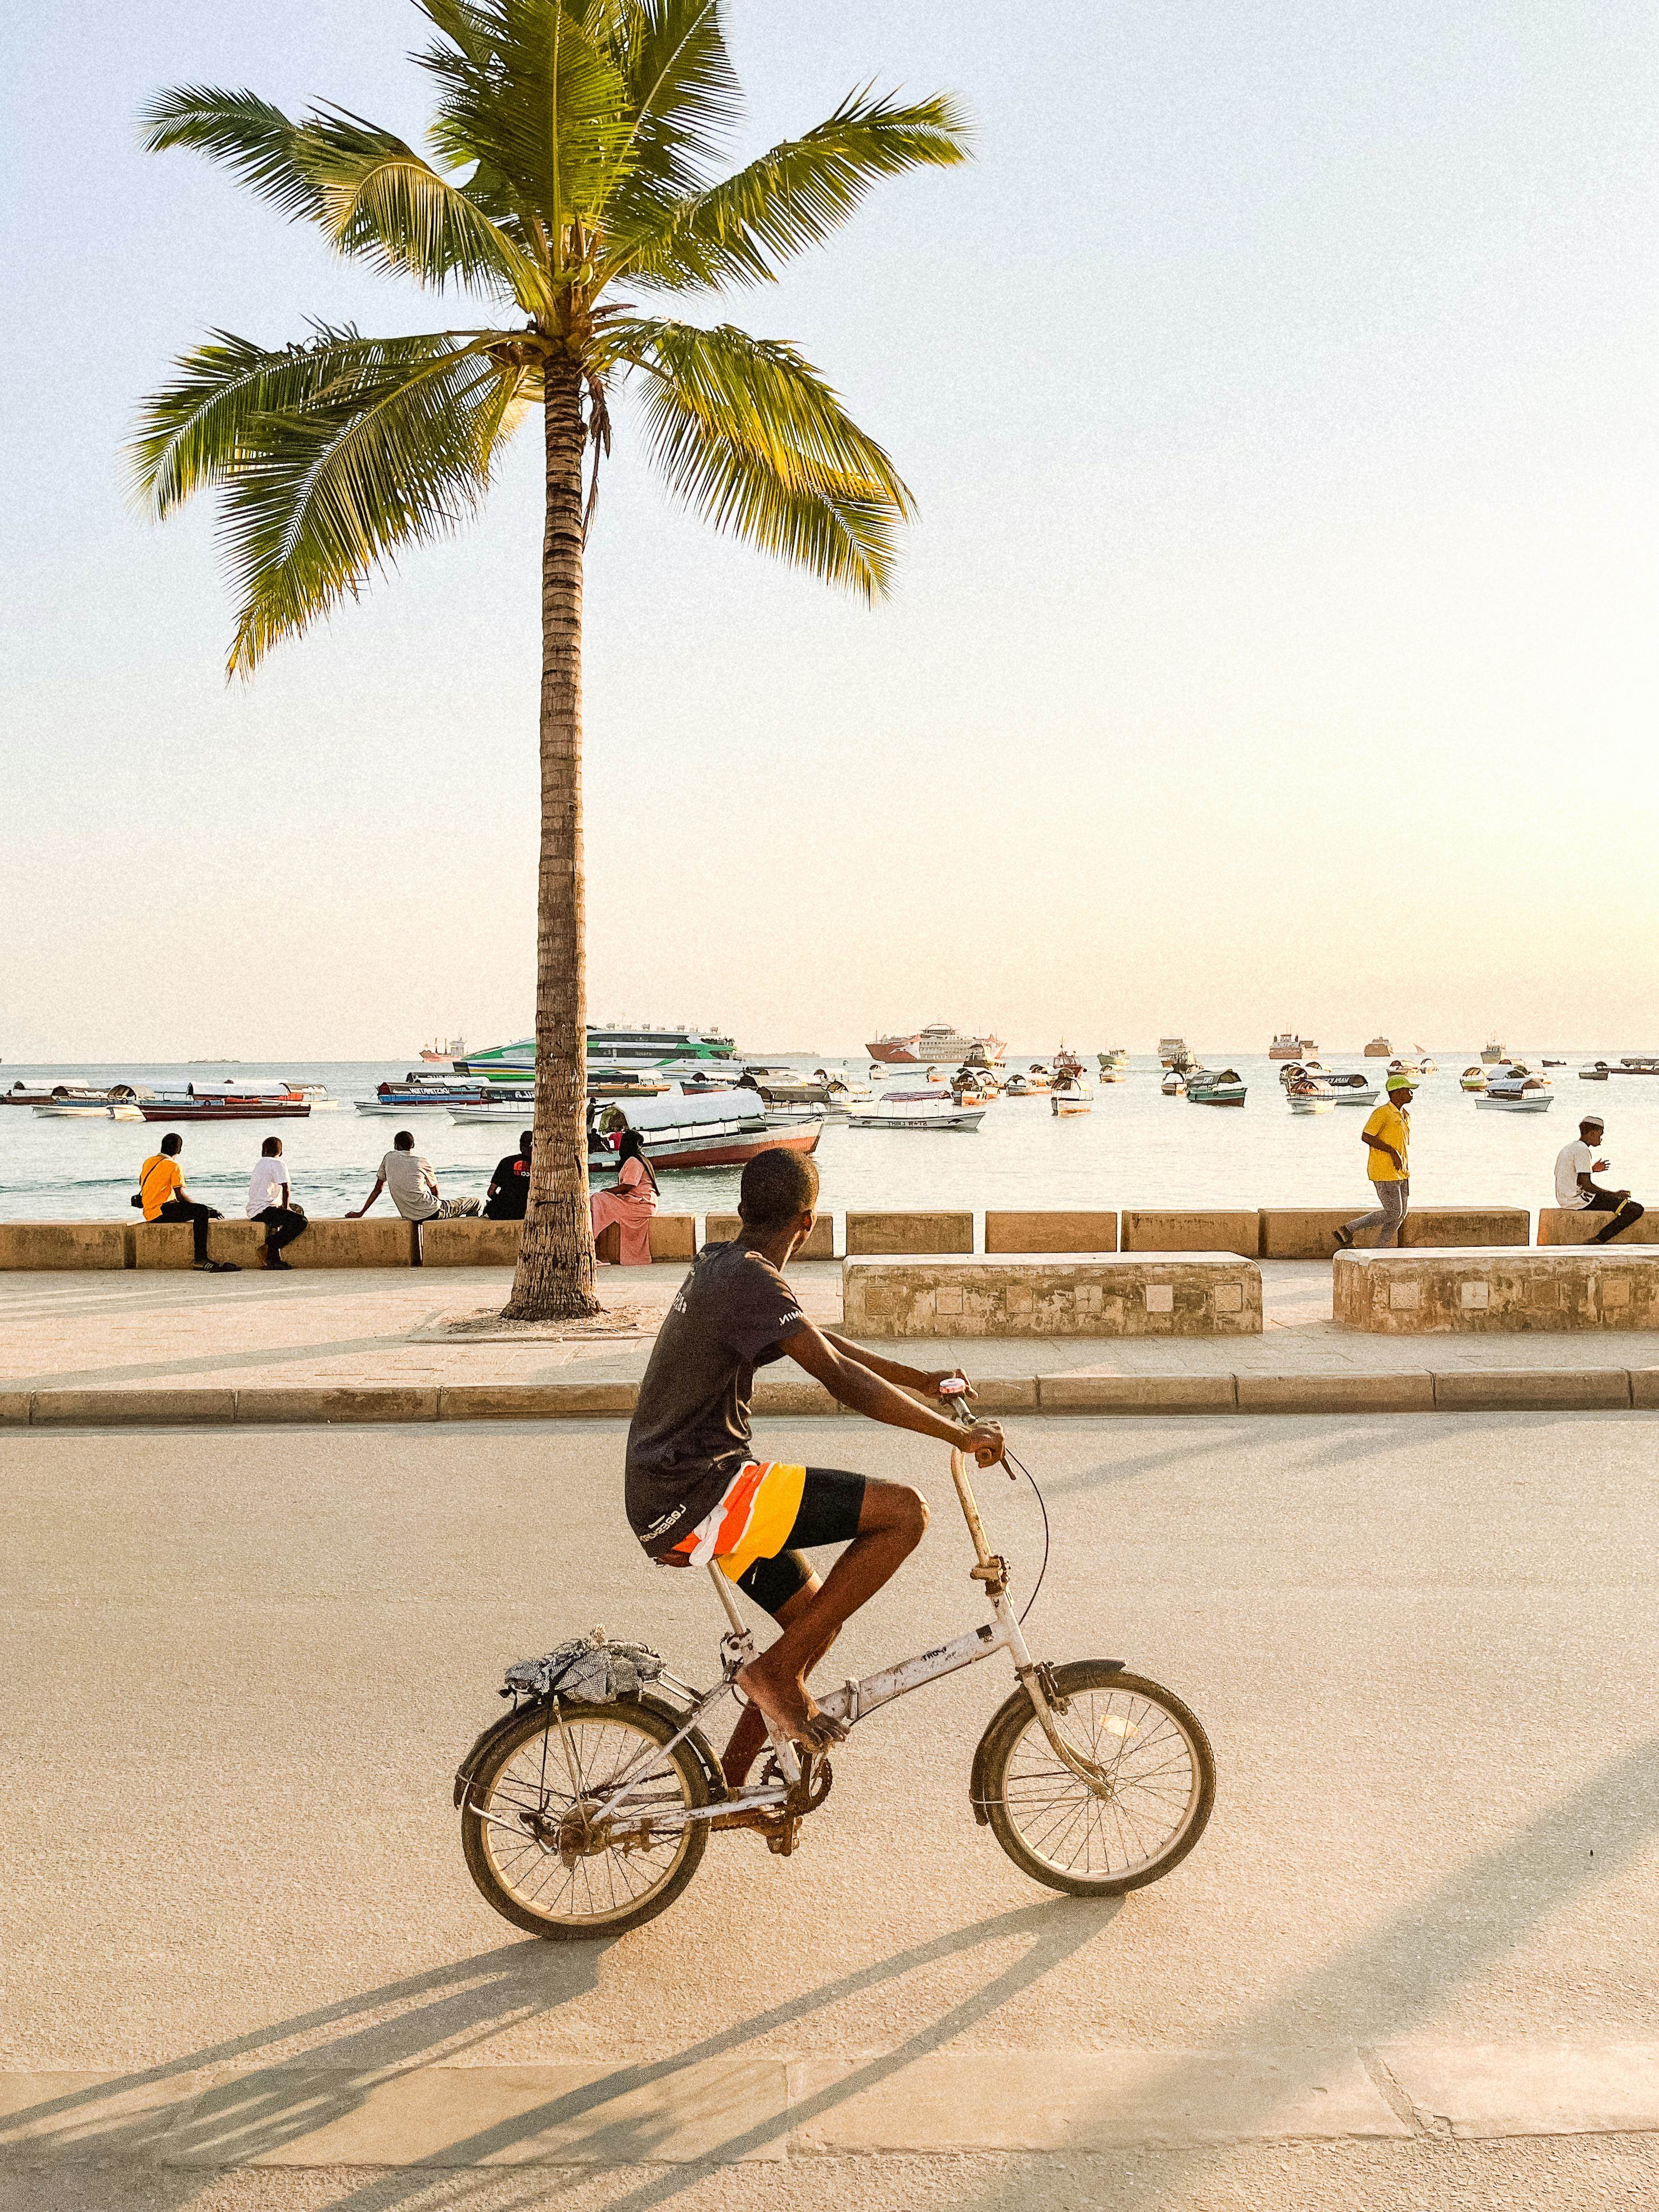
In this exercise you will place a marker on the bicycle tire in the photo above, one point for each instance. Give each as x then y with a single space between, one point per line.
1018 1765
502 1797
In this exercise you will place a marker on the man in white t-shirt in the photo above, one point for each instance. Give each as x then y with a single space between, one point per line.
413 1186
270 1200
1576 1190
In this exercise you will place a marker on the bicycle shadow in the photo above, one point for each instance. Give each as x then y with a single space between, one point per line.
436 2017
148 2114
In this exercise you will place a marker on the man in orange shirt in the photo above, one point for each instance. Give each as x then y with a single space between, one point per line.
161 1189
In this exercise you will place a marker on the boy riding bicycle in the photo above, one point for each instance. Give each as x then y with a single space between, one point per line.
694 1494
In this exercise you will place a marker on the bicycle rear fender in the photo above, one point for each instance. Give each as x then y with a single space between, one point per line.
474 1757
1017 1705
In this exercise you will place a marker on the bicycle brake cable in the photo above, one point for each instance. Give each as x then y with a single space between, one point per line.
1042 1509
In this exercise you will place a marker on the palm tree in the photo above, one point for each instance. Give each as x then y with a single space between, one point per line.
575 149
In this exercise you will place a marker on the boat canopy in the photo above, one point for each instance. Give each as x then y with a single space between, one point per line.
672 1109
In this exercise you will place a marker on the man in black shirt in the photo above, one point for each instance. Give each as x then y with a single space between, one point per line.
695 1496
508 1194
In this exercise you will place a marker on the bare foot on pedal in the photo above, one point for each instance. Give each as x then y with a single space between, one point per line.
784 1701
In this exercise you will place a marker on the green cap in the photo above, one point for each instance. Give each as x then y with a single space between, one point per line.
1401 1081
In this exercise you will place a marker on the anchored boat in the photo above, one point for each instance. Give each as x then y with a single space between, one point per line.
1208 1087
1517 1089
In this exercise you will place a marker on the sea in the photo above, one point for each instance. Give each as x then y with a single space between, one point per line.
1136 1147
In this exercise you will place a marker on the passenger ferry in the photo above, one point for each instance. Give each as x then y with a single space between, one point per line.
1287 1045
939 1042
614 1048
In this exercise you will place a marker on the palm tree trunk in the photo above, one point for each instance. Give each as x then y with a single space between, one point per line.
554 1277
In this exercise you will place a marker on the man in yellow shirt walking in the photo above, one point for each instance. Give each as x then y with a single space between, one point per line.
1387 1138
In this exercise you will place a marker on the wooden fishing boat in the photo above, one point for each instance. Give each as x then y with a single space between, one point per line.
228 1102
1213 1087
1070 1095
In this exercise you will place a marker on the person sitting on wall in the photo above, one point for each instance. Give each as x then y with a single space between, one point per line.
162 1194
507 1198
631 1204
270 1200
413 1186
1576 1190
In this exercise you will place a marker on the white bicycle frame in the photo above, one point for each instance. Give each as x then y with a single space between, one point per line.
855 1699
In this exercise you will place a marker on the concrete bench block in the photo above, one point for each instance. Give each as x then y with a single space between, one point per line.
472 1243
673 1237
1454 1226
15 1408
909 1232
1051 1232
1303 1232
65 1245
172 1243
387 1243
1426 1293
1136 1394
1561 1225
1200 1294
722 1229
1191 1230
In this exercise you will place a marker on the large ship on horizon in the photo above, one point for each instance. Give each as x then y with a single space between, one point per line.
937 1043
607 1048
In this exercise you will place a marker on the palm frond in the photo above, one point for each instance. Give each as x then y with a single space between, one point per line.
255 140
392 209
741 230
539 104
329 456
751 438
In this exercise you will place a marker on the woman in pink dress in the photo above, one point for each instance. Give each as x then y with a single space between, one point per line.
631 1204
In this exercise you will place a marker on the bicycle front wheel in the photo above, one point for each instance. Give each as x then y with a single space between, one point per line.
535 1847
1160 1783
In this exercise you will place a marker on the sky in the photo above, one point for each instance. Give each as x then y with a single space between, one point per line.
1274 647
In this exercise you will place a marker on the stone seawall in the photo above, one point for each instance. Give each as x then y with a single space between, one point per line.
386 1240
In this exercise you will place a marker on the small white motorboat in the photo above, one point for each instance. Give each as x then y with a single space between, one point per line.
918 1117
1074 1097
1517 1089
1173 1085
1309 1098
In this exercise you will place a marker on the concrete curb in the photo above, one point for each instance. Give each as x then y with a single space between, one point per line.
1465 1390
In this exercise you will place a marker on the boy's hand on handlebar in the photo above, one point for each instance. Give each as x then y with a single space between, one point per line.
984 1440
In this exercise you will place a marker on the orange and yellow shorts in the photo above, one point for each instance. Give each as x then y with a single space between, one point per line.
752 1521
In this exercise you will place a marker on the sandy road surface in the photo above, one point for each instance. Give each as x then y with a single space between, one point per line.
237 1671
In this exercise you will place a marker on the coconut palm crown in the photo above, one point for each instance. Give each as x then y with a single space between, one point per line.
574 180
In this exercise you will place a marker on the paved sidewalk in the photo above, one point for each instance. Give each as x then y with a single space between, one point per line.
355 1329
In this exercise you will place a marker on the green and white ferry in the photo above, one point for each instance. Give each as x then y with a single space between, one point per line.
607 1048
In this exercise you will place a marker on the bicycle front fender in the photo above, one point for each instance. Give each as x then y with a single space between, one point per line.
1017 1705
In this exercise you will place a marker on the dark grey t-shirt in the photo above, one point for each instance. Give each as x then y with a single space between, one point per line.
689 1434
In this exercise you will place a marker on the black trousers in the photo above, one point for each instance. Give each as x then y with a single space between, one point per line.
1628 1212
182 1209
282 1224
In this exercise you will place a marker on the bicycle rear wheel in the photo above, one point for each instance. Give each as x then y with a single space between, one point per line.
533 1846
1161 1780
